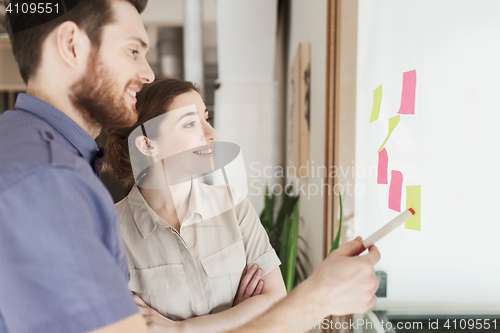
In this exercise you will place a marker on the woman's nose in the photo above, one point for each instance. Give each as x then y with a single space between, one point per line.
210 133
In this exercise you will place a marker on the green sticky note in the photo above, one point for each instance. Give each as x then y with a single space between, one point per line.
413 201
393 122
377 100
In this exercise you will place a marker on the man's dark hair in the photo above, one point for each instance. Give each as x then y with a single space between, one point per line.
90 15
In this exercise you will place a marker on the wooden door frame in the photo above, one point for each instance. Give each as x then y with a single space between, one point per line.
331 121
332 113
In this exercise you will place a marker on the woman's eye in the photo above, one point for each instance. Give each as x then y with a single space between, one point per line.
189 125
135 53
208 119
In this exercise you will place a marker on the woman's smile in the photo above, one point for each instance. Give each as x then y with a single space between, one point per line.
204 152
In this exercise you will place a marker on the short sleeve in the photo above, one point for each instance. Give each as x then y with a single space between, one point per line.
60 272
257 246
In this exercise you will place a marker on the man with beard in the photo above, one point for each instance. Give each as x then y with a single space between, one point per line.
62 262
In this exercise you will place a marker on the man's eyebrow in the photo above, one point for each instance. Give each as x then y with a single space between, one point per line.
140 40
187 114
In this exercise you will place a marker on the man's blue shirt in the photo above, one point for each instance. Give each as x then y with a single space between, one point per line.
62 263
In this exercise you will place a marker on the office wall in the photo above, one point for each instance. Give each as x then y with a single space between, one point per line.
245 103
171 12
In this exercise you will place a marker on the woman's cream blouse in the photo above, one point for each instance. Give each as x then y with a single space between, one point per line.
195 271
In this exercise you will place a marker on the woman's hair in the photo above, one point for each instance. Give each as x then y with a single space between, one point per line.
152 101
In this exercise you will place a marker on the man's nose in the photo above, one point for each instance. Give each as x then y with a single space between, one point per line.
146 74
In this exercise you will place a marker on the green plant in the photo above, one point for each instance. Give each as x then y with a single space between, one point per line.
283 232
336 242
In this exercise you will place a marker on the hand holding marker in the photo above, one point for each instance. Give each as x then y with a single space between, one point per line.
386 229
377 235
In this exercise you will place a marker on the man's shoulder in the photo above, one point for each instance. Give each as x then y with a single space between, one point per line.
29 144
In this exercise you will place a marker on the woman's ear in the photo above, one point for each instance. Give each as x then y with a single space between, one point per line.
145 146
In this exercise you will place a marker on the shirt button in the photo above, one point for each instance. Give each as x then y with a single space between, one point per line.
49 136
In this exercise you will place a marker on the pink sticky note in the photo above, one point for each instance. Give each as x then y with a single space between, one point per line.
408 94
383 160
395 190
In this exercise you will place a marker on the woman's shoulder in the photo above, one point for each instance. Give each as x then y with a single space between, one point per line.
122 206
125 213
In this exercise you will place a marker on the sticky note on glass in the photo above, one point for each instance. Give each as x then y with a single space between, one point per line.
408 93
413 201
377 101
383 161
393 122
395 190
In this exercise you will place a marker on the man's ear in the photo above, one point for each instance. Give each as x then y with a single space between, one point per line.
145 146
71 43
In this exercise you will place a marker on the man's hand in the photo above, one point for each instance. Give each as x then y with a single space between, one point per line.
156 322
250 285
343 284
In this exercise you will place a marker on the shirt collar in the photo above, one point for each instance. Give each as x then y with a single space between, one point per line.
147 220
209 201
144 216
195 201
75 135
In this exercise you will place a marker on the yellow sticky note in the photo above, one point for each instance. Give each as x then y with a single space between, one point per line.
413 201
393 122
377 100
